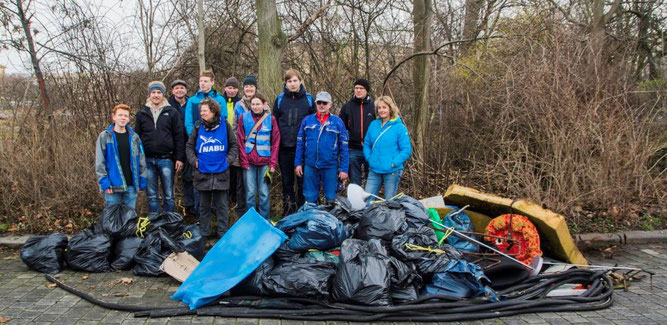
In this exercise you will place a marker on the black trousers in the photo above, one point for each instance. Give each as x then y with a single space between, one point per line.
237 190
286 162
218 200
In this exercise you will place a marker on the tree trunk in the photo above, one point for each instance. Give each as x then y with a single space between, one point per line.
272 40
470 21
25 23
201 46
422 15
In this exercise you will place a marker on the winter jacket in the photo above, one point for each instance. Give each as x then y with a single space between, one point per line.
181 109
192 107
357 114
322 145
290 109
107 162
217 181
246 159
387 147
229 105
164 139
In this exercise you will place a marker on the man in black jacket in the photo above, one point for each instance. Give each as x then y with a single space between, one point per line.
178 99
357 114
161 131
289 109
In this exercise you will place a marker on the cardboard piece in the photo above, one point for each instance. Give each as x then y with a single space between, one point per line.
433 202
179 265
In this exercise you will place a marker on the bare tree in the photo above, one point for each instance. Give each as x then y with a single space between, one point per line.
421 74
21 11
201 31
154 17
272 41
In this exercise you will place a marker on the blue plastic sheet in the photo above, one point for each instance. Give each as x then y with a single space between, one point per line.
238 253
460 222
312 228
460 279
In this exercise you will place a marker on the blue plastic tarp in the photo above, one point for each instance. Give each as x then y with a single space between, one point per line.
311 228
460 279
238 253
460 222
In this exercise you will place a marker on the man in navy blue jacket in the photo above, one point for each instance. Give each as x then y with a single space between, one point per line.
321 151
290 108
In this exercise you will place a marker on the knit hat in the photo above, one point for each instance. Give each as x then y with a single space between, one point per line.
232 81
364 83
157 85
178 82
250 80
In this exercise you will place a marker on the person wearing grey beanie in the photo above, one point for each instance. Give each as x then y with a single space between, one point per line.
161 131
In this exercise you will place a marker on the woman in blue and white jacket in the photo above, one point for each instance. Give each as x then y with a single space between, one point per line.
386 147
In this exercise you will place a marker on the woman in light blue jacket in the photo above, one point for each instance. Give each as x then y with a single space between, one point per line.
386 147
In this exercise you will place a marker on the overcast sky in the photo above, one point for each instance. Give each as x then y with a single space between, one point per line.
118 12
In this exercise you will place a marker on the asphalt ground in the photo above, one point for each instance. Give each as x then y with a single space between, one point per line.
27 297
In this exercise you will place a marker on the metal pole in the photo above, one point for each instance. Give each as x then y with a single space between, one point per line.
470 239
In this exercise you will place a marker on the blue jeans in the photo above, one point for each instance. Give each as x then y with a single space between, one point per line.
253 178
357 160
163 169
390 180
128 197
314 177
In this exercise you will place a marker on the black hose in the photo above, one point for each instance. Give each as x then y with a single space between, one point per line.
527 297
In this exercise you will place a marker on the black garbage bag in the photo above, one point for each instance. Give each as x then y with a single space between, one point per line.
342 210
285 254
88 251
123 252
117 221
253 284
420 246
501 271
382 221
362 276
193 241
460 279
153 251
171 222
415 213
405 281
301 279
312 228
45 254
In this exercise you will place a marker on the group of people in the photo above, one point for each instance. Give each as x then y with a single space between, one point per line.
227 147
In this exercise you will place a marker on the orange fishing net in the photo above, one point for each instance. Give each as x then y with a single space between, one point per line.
526 239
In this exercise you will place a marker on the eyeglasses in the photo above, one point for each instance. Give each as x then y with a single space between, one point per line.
321 103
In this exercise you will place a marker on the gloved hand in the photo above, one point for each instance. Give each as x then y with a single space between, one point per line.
267 176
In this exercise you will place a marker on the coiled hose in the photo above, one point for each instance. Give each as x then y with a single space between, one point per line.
527 297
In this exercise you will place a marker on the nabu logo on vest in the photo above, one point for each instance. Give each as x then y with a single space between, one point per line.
208 144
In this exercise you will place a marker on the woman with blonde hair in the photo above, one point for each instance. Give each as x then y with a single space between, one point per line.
386 147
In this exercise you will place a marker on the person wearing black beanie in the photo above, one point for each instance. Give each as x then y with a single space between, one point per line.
357 114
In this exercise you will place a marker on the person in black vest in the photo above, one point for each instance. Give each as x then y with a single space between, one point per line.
290 108
211 149
161 131
357 114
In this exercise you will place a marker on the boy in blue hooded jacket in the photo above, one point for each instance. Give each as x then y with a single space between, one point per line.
120 164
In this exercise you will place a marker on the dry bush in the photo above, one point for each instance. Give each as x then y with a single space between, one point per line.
48 182
556 123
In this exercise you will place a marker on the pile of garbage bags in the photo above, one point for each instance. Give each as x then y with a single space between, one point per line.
120 240
382 255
